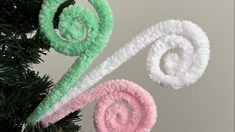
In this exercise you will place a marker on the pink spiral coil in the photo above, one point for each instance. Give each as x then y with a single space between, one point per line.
123 106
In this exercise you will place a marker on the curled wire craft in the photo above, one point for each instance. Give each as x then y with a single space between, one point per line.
123 106
81 34
178 57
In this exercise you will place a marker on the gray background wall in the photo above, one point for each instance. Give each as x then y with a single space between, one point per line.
206 106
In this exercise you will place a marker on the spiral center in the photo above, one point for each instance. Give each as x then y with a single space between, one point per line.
122 114
171 63
71 25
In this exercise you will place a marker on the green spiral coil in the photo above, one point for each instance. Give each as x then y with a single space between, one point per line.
82 33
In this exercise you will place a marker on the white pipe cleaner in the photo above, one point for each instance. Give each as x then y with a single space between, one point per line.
181 68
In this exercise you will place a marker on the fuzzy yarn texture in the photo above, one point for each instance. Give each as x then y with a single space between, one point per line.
182 67
81 34
123 106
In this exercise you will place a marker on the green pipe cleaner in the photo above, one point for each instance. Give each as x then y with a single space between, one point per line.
82 34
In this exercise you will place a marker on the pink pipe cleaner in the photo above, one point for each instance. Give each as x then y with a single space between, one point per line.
123 106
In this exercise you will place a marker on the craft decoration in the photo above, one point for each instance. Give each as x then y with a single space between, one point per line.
122 106
81 34
181 46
